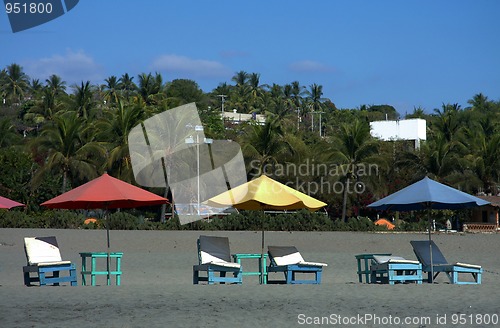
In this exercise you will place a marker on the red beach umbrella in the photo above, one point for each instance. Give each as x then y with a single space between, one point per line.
105 193
8 203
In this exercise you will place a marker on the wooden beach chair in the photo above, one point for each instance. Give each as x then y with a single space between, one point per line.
44 261
440 264
394 269
214 257
287 259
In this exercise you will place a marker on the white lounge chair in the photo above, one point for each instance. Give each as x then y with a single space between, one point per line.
44 258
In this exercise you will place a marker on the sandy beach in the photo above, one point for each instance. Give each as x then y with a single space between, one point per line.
157 289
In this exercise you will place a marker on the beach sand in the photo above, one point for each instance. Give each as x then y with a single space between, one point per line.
157 288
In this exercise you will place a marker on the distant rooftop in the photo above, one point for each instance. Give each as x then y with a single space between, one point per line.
237 118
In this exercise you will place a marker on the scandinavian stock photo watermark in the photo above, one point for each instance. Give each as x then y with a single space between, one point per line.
312 178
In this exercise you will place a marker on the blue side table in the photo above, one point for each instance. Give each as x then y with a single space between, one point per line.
262 258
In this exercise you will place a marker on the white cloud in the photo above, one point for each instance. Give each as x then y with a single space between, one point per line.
310 66
72 67
190 68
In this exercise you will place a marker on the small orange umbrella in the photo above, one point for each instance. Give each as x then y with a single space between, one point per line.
386 223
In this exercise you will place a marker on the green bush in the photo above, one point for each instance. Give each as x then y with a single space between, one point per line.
55 219
245 220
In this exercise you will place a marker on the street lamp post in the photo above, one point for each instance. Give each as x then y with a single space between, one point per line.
190 140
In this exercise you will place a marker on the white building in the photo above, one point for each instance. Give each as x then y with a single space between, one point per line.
412 129
235 117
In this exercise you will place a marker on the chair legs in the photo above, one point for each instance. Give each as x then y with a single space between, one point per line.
291 271
454 276
212 277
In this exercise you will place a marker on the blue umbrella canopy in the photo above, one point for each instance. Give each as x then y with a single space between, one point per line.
427 194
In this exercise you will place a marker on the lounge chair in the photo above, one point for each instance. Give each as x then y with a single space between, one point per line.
440 264
214 256
44 258
288 260
392 269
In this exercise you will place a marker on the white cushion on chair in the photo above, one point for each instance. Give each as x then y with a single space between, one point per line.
41 264
42 250
287 255
465 265
392 259
313 263
215 250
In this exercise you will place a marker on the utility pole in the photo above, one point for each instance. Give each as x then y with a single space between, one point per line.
312 121
223 99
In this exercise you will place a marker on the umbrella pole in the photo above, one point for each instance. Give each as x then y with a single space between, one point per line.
430 248
109 254
262 257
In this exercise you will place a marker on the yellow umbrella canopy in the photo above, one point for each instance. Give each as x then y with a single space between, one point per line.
265 193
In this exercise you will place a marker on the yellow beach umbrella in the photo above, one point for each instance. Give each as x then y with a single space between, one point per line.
265 193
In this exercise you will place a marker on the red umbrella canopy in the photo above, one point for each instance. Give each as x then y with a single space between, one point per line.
105 192
8 203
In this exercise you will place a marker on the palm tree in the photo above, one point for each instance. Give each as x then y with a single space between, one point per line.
355 151
479 102
447 121
418 112
35 88
437 157
54 89
111 89
314 102
83 99
67 151
482 140
265 145
315 96
8 134
240 78
127 85
255 92
150 88
56 85
114 129
14 83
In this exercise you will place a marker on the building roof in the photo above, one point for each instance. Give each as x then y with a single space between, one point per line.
494 200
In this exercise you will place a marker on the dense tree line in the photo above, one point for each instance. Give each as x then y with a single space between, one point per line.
54 137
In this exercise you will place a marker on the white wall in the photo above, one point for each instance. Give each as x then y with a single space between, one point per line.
413 129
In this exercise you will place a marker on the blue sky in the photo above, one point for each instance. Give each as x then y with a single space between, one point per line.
402 53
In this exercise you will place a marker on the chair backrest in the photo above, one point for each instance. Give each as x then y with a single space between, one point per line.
41 249
213 249
422 251
284 255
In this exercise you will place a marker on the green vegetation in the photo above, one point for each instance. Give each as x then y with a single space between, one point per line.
54 137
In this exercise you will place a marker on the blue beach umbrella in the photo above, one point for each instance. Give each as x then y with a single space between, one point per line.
427 194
